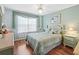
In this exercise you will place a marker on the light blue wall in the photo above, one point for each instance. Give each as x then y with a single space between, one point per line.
68 16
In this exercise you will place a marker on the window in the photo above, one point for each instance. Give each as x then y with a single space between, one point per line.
32 24
26 24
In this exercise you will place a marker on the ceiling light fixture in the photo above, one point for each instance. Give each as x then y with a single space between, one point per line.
40 9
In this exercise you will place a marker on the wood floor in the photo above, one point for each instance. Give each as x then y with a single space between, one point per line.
20 48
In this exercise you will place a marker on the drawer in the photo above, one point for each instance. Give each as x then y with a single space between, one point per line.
69 38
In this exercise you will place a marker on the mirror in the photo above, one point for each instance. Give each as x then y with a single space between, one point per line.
1 17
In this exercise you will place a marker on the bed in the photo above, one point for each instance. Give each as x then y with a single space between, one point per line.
43 42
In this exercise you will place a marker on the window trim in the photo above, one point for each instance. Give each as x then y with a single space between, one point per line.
15 22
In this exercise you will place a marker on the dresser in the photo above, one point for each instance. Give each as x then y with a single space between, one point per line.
70 40
6 42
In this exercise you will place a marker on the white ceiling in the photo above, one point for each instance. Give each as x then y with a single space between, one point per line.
33 8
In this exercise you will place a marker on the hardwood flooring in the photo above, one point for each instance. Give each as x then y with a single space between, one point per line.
61 50
20 48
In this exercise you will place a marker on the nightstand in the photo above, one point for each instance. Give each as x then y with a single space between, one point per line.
70 40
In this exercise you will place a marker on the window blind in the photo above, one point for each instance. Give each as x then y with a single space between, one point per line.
26 24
